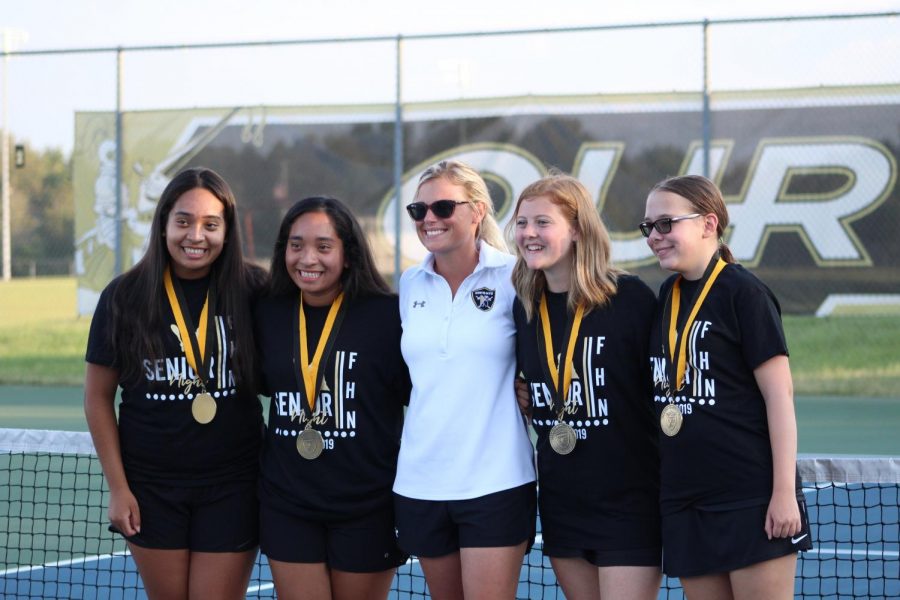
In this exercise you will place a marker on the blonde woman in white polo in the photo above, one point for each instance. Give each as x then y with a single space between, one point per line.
465 492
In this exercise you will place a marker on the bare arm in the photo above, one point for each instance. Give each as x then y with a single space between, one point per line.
100 384
523 398
774 380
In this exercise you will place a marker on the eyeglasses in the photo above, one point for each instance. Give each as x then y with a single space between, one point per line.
442 209
664 225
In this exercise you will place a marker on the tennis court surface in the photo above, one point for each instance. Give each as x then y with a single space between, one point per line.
54 542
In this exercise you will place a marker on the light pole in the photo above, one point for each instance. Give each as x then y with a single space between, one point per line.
11 38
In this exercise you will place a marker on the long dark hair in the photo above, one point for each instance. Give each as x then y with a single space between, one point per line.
359 278
139 309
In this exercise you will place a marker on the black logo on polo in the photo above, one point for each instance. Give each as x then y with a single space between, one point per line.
484 298
418 303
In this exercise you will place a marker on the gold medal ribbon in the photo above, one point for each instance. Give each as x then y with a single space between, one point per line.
565 365
194 346
681 353
310 369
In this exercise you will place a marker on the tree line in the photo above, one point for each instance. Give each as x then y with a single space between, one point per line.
42 213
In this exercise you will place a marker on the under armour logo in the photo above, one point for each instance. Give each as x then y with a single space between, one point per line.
418 304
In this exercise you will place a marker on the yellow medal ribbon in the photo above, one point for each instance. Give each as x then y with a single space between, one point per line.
673 320
570 351
309 369
187 336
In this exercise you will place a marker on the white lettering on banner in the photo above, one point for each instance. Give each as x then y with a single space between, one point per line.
630 247
819 219
595 165
764 205
719 153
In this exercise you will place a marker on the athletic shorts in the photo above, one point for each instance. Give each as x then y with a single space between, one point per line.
702 542
433 528
210 518
364 545
631 557
575 527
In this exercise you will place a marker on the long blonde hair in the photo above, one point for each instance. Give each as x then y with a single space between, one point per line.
593 278
461 174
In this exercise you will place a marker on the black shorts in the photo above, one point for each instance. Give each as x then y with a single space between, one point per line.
632 557
702 542
364 545
433 528
209 518
576 527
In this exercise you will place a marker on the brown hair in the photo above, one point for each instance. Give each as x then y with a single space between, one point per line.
706 198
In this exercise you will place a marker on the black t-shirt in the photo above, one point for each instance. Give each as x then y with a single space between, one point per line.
159 438
611 478
366 386
721 458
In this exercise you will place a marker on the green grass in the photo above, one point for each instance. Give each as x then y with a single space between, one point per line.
37 300
845 356
42 342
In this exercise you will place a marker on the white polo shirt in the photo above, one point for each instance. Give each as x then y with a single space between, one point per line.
463 436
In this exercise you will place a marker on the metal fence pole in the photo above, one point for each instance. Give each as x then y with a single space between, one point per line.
707 125
117 269
398 160
4 156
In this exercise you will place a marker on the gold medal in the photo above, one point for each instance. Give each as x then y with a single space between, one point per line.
562 438
196 350
670 420
310 443
203 408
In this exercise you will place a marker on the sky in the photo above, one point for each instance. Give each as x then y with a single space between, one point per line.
87 23
44 92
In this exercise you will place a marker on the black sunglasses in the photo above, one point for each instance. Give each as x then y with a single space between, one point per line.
664 225
442 209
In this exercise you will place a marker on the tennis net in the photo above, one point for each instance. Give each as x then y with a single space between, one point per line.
54 541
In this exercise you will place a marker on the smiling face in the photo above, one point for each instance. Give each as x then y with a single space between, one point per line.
195 233
458 231
314 258
545 240
687 248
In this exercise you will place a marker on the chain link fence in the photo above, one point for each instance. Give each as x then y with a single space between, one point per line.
797 119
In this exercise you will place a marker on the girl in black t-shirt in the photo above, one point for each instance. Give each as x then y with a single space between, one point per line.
582 330
733 516
181 461
329 342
